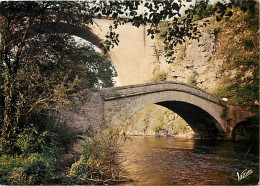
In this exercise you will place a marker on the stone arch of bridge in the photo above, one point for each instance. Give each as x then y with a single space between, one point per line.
201 122
202 115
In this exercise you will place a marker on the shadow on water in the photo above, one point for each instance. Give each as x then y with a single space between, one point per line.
176 161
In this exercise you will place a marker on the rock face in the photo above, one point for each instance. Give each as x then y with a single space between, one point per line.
199 52
195 64
137 59
158 121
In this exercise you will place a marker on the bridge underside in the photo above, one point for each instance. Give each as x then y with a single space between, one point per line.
199 120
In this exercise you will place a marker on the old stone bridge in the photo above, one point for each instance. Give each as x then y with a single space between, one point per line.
207 115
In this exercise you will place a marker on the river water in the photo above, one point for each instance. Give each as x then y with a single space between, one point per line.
175 161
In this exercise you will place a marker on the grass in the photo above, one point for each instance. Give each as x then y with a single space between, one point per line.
99 162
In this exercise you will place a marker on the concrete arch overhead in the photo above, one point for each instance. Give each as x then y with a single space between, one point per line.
83 32
201 110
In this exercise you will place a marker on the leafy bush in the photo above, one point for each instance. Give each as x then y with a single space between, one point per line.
43 72
160 76
191 80
46 82
225 92
202 10
36 157
239 49
160 123
98 162
32 168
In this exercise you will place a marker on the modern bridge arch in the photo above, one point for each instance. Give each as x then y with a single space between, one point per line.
83 32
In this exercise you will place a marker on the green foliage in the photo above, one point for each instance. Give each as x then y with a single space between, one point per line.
224 92
225 109
34 169
98 163
29 142
34 162
202 10
192 80
43 85
160 123
37 155
163 27
239 49
160 76
42 70
179 29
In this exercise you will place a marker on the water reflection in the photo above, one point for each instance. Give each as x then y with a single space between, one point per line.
187 161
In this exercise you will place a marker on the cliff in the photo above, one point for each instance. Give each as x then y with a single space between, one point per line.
222 61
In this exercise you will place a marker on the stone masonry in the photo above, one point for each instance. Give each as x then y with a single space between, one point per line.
208 115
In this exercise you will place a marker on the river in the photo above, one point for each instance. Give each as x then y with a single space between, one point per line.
176 161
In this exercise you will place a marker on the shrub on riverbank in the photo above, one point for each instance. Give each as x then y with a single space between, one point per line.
34 162
38 156
99 162
35 155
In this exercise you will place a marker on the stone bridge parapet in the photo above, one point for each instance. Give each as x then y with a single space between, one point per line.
208 115
141 89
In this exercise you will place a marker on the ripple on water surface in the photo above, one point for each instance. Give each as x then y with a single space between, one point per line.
174 161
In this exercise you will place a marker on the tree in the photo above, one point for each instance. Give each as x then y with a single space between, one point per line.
42 71
24 38
240 51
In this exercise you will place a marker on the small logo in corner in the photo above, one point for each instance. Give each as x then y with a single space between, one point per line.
244 174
